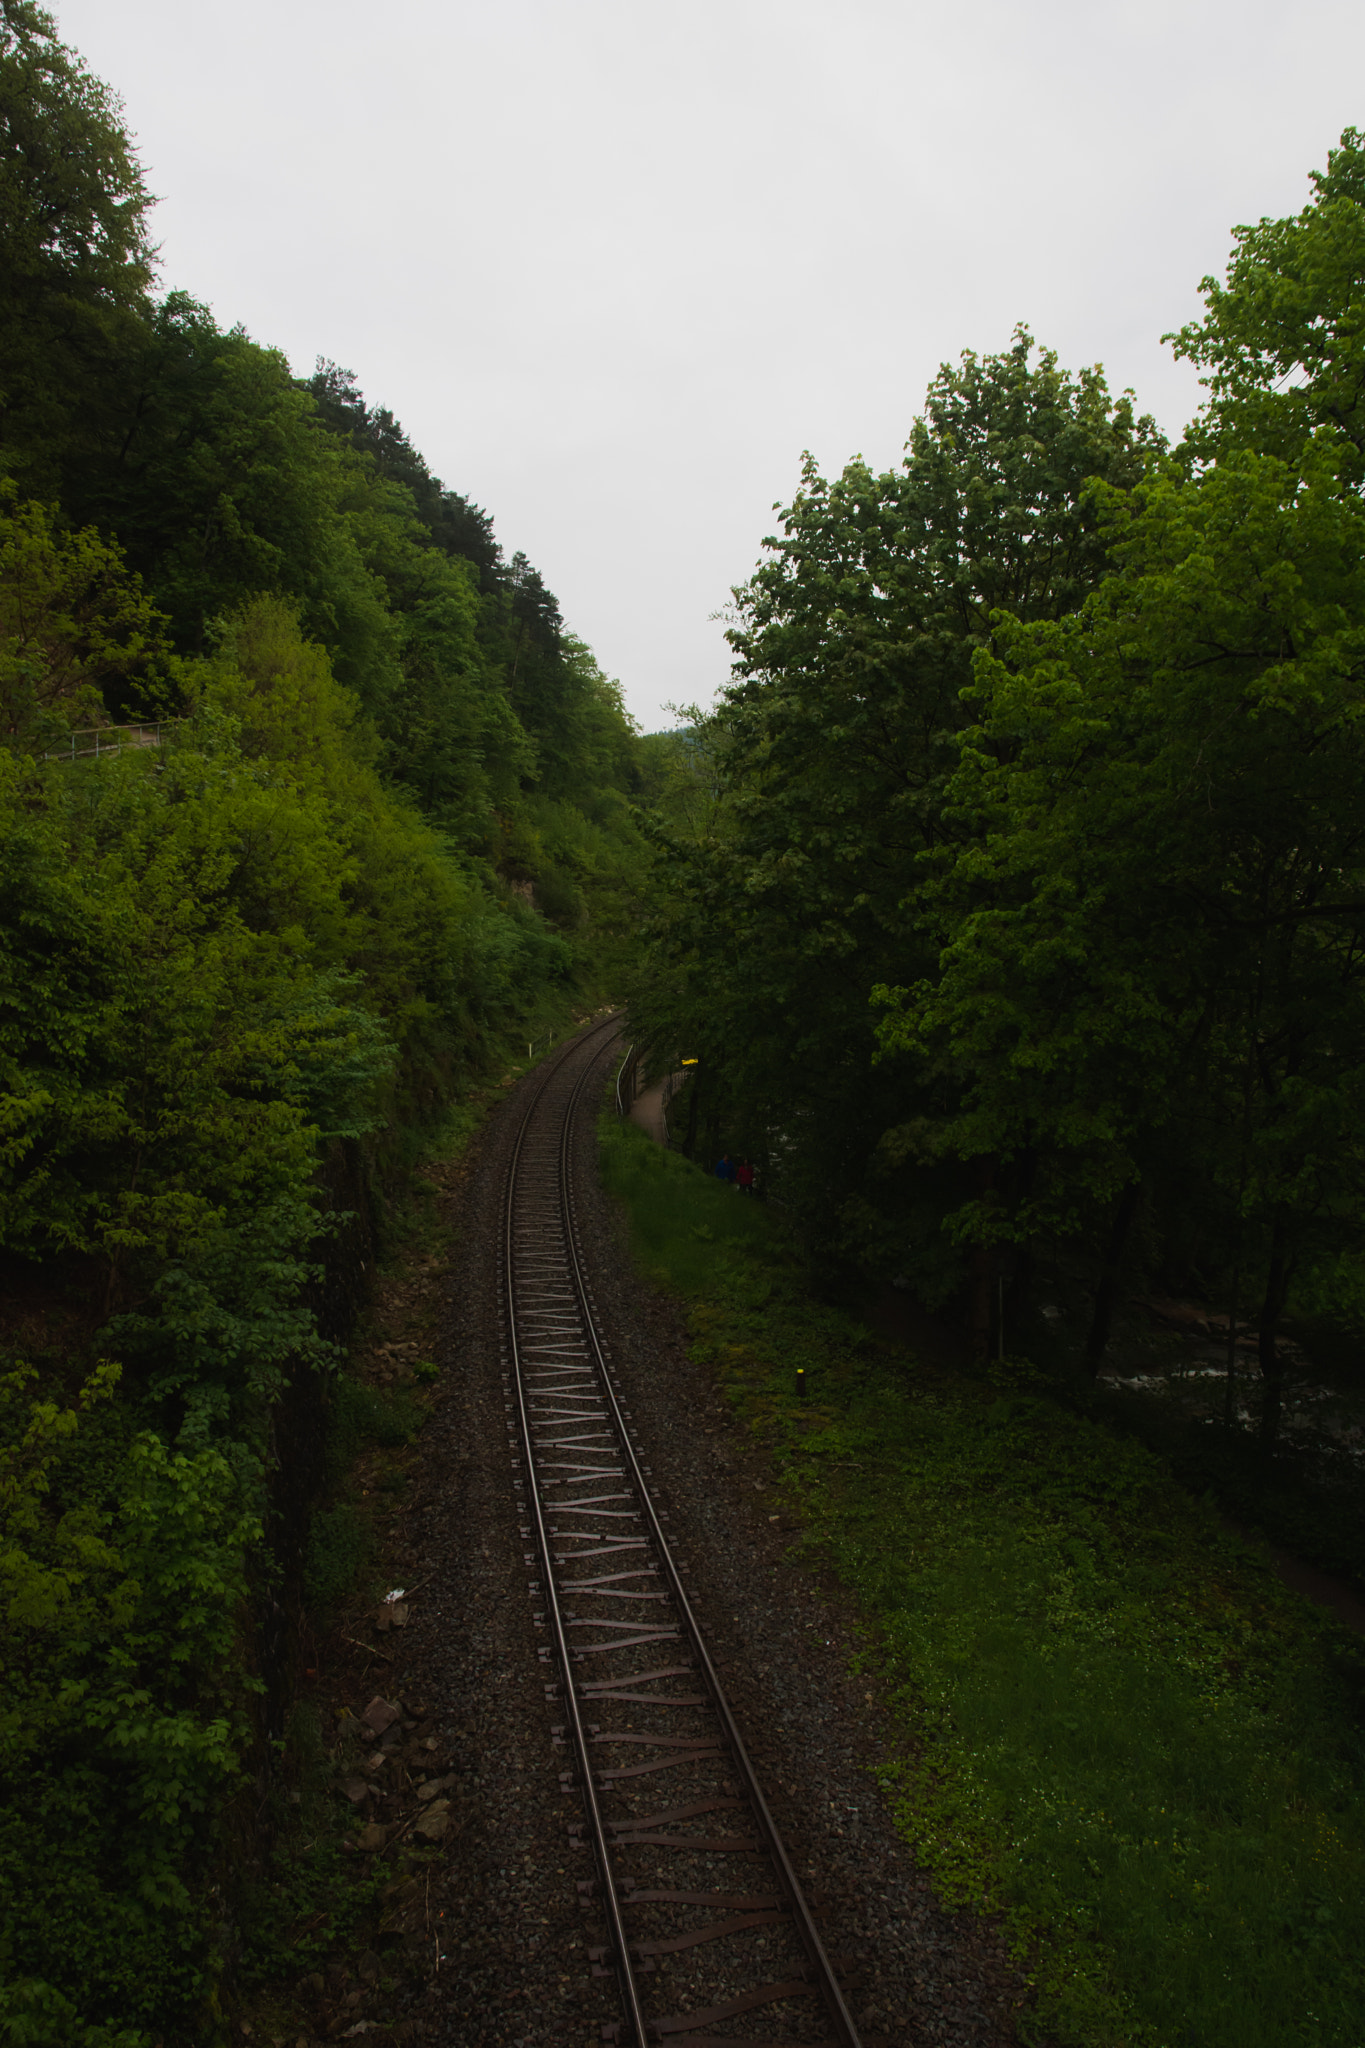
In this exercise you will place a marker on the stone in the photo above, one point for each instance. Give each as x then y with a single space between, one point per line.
432 1824
356 1790
372 1838
379 1715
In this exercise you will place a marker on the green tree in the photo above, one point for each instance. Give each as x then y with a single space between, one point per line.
122 1575
74 249
833 749
1151 930
1282 344
78 638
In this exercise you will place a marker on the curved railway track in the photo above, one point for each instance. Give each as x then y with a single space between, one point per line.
706 1928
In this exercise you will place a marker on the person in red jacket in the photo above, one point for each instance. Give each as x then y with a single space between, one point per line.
744 1178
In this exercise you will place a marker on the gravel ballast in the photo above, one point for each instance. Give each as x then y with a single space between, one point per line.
498 1916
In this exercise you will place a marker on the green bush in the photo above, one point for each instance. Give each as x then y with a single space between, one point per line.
122 1573
339 1546
364 1415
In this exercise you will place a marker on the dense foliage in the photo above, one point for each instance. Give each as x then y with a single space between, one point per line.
1015 885
363 809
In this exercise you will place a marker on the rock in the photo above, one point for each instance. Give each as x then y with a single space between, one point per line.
369 1966
398 1614
429 1787
1179 1315
372 1838
434 1822
379 1715
356 1790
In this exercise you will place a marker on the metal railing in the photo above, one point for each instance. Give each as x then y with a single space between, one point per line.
110 739
671 1085
626 1078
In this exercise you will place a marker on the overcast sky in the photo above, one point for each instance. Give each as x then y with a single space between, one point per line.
615 264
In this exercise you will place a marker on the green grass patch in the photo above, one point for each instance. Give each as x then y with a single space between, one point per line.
339 1546
364 1415
681 1218
1117 1728
341 1542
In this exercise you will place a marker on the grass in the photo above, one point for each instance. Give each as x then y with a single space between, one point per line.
1116 1728
680 1217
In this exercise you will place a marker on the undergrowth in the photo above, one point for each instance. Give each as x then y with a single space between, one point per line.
1116 1729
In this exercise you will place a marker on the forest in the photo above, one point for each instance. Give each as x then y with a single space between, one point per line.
1010 902
384 827
1013 894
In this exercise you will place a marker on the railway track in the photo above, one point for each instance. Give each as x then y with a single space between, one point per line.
704 1923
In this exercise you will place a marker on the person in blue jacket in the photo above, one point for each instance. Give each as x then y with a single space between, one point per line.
725 1167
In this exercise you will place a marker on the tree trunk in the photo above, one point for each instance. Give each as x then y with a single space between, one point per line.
1107 1288
1019 1291
1230 1385
981 1286
1271 1362
1248 1087
981 1304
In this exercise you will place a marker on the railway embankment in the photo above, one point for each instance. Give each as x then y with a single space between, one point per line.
472 1928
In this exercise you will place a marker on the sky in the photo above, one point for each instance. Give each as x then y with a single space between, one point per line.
615 265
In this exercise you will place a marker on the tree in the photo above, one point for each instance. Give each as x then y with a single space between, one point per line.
834 747
1283 340
78 638
74 251
1155 916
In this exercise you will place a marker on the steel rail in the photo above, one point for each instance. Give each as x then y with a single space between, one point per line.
820 1972
548 1578
807 1932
